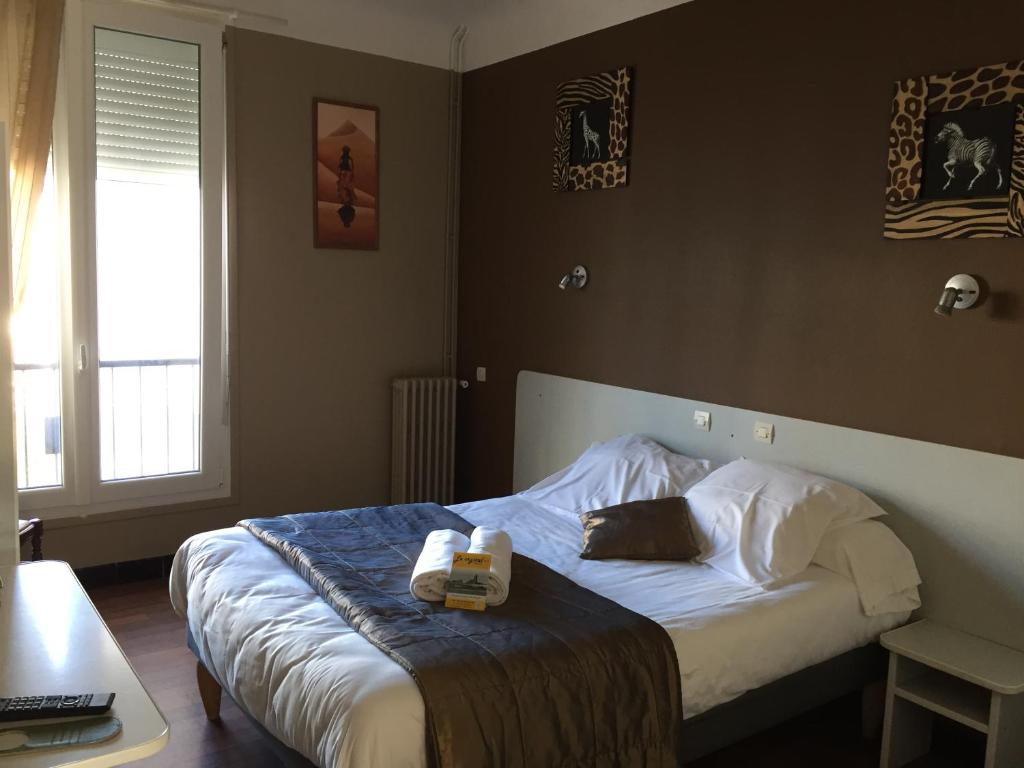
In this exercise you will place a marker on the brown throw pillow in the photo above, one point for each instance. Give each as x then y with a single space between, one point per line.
655 529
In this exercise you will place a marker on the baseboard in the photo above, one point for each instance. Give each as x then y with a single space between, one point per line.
128 571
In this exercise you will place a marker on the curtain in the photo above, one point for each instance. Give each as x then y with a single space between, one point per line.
29 56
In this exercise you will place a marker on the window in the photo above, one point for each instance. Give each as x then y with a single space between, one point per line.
119 341
148 255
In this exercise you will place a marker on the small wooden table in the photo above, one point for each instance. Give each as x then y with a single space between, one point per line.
53 641
32 531
935 670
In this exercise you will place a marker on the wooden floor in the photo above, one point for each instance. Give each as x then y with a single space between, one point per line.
148 630
153 637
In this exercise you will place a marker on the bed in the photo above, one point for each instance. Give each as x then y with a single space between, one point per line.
287 658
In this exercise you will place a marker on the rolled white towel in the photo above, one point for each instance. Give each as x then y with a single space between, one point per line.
498 545
435 563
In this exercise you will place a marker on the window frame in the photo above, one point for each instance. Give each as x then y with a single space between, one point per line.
74 148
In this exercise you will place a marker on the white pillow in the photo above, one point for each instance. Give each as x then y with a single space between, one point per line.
877 562
762 523
626 468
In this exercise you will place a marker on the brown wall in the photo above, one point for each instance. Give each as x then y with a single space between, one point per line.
744 264
319 334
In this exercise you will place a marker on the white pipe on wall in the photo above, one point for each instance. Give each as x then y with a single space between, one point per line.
451 252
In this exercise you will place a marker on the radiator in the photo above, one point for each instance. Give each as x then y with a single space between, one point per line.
423 440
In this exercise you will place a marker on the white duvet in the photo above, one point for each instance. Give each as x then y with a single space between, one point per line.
287 658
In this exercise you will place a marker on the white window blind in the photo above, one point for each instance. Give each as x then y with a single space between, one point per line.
147 105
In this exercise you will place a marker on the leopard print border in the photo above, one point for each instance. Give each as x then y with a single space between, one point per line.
973 88
598 175
906 141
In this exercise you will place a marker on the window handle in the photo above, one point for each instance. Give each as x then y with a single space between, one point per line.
83 358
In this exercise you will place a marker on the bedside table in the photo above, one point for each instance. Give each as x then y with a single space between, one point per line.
32 530
935 670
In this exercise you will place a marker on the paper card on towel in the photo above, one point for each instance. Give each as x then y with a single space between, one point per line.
467 582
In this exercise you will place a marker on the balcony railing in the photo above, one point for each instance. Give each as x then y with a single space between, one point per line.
149 418
37 425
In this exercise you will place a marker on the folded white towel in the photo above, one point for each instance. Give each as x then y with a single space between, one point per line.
498 545
435 564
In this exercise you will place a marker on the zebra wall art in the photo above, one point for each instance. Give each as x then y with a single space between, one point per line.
980 153
956 155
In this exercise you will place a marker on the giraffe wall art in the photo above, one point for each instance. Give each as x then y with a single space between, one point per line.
592 142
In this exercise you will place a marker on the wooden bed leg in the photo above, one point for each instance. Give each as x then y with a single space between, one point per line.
872 709
209 691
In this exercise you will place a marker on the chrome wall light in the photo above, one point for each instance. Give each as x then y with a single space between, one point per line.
575 279
961 292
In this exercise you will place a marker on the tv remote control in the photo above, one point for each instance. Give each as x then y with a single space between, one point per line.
66 705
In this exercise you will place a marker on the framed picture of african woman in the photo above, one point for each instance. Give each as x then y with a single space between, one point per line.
346 164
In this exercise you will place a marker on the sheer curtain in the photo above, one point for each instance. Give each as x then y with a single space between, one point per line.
30 33
29 56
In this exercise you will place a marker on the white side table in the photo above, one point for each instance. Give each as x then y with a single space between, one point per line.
935 670
52 640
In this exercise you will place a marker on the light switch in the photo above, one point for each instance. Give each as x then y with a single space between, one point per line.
481 373
764 432
702 420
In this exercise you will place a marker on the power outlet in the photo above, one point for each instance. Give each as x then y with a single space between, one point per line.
764 432
702 421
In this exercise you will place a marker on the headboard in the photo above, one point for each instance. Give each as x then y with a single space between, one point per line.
961 512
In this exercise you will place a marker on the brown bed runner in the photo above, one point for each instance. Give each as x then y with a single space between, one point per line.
557 676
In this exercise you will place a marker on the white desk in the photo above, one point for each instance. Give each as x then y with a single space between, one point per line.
52 640
935 670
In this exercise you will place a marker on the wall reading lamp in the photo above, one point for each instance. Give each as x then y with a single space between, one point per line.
961 292
575 279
